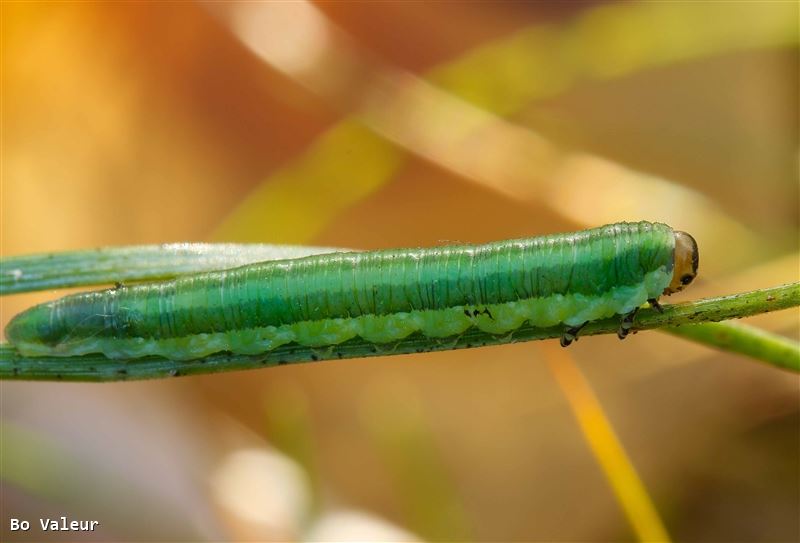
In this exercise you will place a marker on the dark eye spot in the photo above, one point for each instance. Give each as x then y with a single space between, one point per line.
686 279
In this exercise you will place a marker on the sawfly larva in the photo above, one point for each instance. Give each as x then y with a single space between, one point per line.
381 296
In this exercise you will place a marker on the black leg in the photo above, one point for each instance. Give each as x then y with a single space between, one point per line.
655 305
626 324
571 334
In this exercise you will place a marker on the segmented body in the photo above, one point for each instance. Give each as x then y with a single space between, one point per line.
381 296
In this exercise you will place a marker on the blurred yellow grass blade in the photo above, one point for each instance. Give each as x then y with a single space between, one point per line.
296 203
606 447
475 143
610 41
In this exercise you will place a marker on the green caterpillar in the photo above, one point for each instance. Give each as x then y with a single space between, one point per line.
381 296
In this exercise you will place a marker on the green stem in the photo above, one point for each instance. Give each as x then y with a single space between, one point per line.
136 263
783 354
743 339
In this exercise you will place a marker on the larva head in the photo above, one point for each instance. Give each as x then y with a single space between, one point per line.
685 260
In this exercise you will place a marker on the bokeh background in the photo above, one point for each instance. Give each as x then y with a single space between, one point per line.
387 124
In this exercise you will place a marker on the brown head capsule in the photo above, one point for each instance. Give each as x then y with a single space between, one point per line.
685 261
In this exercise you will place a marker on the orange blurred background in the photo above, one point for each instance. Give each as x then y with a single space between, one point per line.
370 125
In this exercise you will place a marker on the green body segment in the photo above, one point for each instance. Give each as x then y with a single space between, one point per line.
381 296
